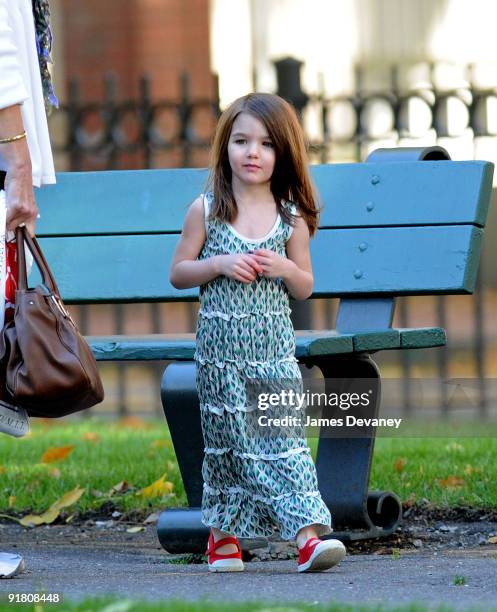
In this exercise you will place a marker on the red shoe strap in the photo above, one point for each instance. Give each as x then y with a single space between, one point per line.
309 543
213 546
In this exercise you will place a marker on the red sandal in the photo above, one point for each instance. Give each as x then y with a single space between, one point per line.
317 555
231 562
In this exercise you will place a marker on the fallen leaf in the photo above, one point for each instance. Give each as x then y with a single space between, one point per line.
120 487
399 465
492 540
12 500
2 469
451 481
70 498
33 520
56 453
70 518
91 436
135 529
157 488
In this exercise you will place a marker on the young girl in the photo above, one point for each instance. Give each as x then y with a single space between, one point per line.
246 243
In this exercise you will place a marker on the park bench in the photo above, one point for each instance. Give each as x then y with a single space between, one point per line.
407 222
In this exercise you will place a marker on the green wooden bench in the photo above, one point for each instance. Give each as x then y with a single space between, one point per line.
393 226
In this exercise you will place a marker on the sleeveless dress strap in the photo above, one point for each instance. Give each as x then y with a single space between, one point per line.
293 211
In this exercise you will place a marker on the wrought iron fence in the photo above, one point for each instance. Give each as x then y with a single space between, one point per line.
142 133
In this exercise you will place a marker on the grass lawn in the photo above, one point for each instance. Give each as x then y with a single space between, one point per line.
125 605
443 470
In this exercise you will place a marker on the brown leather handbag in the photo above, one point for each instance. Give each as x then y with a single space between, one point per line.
48 368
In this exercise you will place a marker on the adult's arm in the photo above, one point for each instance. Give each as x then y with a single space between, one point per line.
14 156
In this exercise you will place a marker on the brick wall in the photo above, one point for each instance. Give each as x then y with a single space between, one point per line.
133 37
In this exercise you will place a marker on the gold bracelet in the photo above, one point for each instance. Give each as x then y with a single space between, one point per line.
13 138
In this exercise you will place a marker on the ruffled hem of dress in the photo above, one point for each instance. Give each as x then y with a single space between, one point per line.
215 513
211 314
322 529
256 456
226 408
241 363
212 521
255 496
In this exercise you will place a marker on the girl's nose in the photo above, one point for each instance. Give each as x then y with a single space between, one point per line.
253 150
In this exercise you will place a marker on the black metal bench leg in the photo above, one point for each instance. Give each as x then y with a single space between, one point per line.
344 464
181 530
181 409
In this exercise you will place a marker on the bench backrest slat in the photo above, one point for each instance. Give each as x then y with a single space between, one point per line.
354 195
395 261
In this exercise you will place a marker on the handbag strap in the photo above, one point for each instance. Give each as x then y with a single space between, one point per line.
23 238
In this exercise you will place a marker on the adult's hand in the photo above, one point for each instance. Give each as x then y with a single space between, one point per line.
21 206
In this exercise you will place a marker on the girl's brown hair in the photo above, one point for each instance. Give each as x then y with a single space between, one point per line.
290 181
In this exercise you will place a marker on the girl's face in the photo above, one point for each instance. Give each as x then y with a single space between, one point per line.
250 151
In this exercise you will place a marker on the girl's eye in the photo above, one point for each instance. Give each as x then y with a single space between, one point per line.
240 140
268 144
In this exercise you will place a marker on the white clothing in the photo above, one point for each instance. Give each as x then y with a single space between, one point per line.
20 83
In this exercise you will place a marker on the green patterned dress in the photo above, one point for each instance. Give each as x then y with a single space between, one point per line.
252 483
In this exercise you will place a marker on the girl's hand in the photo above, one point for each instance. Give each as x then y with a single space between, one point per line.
241 267
272 264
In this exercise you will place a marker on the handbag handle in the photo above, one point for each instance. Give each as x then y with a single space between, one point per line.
22 238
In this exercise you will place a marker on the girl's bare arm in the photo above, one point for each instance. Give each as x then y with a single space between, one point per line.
185 271
298 276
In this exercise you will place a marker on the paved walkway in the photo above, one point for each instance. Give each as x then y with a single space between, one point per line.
80 570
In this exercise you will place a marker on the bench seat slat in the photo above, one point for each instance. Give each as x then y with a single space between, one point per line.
181 347
422 337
